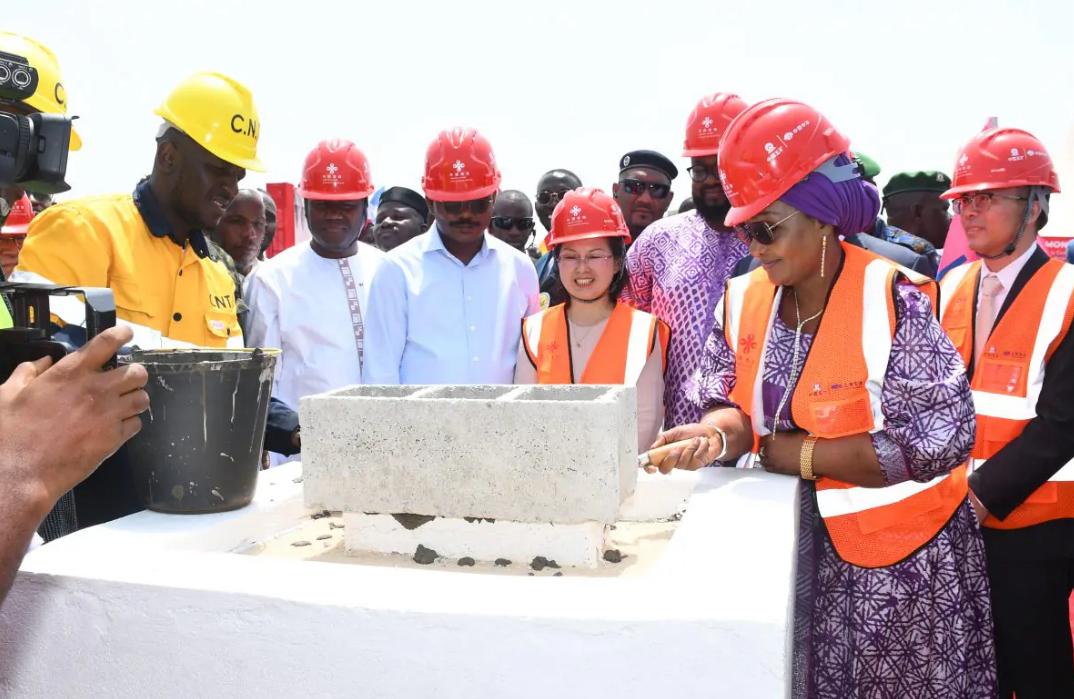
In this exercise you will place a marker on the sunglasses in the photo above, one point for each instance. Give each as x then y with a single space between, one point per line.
700 173
550 197
981 201
760 231
475 206
506 223
636 187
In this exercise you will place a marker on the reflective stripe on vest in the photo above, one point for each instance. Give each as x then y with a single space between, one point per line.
618 358
840 393
1007 384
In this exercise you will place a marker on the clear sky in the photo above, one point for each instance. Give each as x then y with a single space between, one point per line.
557 84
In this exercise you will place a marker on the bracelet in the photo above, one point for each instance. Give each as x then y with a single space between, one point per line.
805 459
723 443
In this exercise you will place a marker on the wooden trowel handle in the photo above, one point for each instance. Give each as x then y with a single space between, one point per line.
655 457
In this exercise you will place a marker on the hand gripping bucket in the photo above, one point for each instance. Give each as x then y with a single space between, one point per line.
200 446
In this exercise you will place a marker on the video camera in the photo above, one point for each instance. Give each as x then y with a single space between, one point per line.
31 337
33 146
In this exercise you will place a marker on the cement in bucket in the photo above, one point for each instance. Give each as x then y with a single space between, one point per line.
200 445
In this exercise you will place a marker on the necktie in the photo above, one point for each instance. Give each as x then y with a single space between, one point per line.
986 313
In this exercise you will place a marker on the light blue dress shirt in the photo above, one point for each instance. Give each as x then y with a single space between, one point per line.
434 320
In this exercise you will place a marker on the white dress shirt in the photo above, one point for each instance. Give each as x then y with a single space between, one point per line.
1006 276
298 303
434 320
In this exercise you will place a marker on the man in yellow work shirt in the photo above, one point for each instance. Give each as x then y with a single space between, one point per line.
149 246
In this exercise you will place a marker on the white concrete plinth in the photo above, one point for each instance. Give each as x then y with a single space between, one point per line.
156 605
659 497
482 540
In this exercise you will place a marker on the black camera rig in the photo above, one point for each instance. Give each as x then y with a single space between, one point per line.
32 336
33 146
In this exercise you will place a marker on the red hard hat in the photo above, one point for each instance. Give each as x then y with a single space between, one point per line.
336 170
460 166
18 219
586 213
768 149
1000 158
709 121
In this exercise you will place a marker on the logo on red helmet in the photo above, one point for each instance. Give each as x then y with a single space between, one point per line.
459 171
707 128
774 151
331 176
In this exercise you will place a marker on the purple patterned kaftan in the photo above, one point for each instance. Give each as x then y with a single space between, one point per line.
678 267
922 627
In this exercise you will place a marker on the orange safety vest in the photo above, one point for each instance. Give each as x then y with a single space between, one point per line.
840 394
1011 371
619 357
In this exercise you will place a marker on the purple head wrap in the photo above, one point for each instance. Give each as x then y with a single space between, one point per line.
836 194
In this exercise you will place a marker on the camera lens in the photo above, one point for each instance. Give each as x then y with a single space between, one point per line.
5 73
21 78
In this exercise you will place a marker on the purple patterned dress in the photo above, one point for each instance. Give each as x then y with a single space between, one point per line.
678 267
922 627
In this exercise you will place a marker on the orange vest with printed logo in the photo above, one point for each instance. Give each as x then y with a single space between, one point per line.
620 355
1011 371
840 394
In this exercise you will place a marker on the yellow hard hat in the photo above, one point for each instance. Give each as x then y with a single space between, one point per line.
219 114
50 96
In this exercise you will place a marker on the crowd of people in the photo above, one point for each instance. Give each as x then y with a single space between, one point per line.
776 321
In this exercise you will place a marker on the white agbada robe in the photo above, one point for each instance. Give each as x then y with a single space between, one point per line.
298 303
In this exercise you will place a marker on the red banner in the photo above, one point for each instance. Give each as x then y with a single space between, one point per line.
1056 246
283 193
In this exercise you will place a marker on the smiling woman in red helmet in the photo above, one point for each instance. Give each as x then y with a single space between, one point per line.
829 365
591 338
1010 316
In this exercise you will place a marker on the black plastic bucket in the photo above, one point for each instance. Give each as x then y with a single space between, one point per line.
200 445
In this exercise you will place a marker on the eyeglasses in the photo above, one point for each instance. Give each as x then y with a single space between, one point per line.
546 196
506 223
636 187
700 173
760 231
594 260
475 206
980 201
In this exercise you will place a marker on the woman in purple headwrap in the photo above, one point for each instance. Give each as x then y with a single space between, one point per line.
829 365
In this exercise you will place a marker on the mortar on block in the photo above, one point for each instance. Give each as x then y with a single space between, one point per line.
519 471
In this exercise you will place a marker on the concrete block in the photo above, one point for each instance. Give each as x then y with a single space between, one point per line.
559 454
578 545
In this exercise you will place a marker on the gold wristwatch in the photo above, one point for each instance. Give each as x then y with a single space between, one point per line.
805 459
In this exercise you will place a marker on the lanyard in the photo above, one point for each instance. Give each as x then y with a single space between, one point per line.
354 307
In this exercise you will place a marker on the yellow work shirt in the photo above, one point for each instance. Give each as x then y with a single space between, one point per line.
161 288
